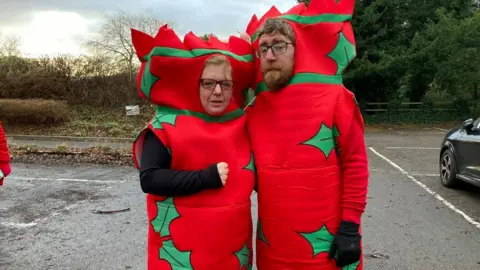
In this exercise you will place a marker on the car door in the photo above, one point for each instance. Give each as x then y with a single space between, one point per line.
471 151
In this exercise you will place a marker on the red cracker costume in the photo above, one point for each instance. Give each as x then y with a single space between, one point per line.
4 156
308 143
212 229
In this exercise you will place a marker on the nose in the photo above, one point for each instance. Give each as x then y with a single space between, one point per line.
270 55
217 90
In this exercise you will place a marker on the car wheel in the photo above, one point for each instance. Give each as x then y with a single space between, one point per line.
448 170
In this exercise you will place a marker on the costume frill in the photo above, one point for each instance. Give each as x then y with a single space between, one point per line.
4 156
309 176
212 229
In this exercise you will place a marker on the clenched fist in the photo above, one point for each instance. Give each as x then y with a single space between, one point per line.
223 172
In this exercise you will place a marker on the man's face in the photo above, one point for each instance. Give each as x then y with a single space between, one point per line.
277 59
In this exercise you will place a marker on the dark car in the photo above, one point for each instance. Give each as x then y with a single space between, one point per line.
460 155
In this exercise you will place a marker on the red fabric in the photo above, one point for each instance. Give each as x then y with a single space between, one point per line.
319 175
177 84
213 221
353 157
212 229
4 156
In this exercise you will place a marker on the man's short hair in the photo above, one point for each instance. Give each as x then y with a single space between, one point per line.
277 26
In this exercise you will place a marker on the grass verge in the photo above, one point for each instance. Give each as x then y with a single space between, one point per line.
63 155
90 122
85 121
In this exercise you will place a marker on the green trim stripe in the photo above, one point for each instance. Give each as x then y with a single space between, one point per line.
304 78
162 110
173 52
327 17
322 18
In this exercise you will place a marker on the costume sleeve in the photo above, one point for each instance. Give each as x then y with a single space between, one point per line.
352 151
157 178
4 156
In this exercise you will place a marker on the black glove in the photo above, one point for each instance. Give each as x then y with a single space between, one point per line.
346 244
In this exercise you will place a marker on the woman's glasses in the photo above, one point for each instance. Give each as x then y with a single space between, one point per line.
210 84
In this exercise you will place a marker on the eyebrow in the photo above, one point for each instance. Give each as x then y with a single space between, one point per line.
274 41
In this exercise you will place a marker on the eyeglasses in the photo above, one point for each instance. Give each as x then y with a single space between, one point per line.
210 84
277 48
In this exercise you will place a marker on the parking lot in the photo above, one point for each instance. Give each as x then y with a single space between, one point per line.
58 217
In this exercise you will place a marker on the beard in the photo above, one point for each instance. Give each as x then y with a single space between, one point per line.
276 79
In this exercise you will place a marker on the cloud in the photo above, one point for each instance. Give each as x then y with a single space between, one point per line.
51 26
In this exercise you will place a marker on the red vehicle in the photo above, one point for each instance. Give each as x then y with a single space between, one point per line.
4 156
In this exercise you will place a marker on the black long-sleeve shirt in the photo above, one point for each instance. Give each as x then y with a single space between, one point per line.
157 178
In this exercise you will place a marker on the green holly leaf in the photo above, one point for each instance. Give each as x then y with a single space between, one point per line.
320 240
163 118
249 267
166 212
343 53
243 256
251 164
260 234
352 266
148 80
323 140
177 259
335 134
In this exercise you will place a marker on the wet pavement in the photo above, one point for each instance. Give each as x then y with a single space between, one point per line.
50 219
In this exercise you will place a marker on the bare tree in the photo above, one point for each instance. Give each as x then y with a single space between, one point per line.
114 40
9 46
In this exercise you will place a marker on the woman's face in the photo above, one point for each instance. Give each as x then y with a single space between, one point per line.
216 88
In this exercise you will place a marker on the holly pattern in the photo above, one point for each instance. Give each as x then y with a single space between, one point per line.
175 257
243 256
352 266
148 80
260 234
251 164
321 241
324 140
343 53
163 118
166 213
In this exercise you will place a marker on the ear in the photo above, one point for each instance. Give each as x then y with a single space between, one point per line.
142 42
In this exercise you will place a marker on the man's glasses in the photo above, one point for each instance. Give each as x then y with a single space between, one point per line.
277 49
210 84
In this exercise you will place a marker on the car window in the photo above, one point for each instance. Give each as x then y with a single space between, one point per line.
476 123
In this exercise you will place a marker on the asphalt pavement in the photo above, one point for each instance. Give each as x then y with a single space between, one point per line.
58 217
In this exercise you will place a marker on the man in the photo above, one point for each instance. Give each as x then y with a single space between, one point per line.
307 136
4 156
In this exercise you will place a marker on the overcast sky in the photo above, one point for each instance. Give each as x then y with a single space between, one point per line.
59 26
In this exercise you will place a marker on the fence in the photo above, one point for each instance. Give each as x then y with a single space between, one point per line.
396 112
384 107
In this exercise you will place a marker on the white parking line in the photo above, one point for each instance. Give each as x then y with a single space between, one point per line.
424 174
37 221
441 129
64 179
407 147
431 192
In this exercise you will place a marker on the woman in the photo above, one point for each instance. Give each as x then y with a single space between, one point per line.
4 156
194 156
